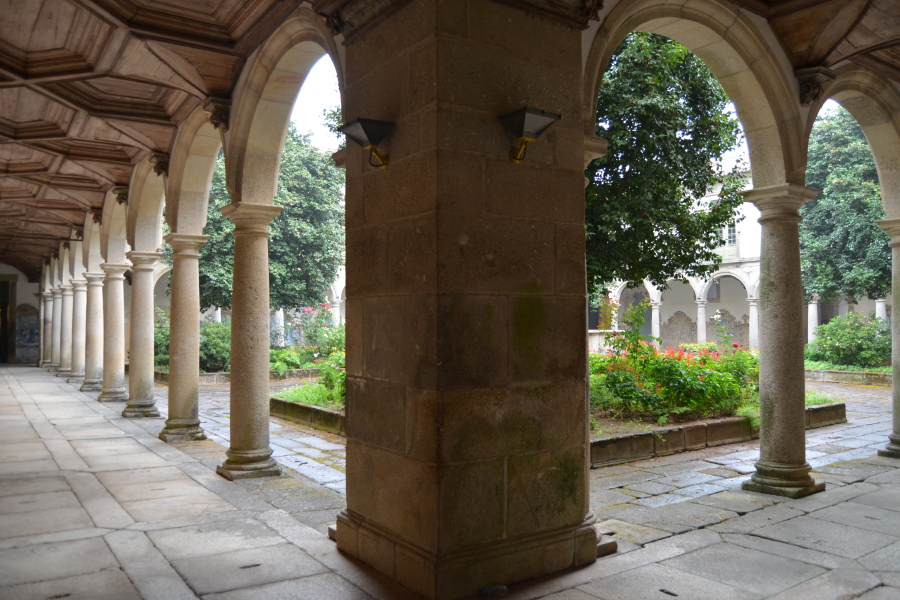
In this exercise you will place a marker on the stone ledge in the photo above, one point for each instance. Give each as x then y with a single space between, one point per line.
306 414
855 377
682 438
223 378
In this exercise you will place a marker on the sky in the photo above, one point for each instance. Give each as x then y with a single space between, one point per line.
319 92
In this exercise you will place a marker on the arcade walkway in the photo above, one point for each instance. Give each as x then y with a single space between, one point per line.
92 506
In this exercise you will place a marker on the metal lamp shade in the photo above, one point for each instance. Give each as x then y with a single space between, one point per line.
366 132
529 122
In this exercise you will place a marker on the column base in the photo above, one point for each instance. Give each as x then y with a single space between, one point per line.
75 379
146 411
892 450
779 479
91 385
248 464
64 372
465 572
182 431
113 395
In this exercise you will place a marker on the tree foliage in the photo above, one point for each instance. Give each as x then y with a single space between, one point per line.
306 246
663 114
843 252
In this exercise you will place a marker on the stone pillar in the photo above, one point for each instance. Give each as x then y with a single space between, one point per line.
467 460
701 321
335 312
183 423
654 320
217 315
65 335
754 323
249 454
113 388
79 315
881 309
46 351
140 360
56 329
782 468
93 343
844 307
892 226
278 328
812 319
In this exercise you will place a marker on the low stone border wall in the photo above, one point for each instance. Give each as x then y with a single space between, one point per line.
306 414
857 377
715 432
222 378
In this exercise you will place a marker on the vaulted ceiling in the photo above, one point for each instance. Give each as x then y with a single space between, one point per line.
88 88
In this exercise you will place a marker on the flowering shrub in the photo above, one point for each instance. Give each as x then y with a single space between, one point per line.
852 339
635 379
319 330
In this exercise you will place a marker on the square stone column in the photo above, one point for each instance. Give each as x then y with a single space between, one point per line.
467 448
782 468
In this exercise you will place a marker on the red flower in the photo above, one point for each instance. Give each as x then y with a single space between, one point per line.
315 362
735 345
614 334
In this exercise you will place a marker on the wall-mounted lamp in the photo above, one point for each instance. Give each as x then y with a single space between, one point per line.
368 133
527 124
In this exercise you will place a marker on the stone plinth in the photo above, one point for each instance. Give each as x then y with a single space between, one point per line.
467 448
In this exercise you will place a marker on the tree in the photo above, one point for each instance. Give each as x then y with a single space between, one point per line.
663 114
307 242
843 252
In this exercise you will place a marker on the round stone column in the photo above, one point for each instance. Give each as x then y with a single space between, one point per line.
754 323
56 329
782 468
93 340
183 423
140 361
79 315
654 320
812 319
113 387
65 336
46 351
249 454
701 321
881 309
892 226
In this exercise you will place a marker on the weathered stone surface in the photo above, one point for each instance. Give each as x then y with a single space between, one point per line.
841 540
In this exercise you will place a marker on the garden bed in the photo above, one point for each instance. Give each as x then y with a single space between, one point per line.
657 440
855 377
223 378
306 414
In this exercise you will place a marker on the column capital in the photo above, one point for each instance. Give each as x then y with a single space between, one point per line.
95 278
700 302
79 284
780 201
115 270
57 292
185 243
655 304
47 295
66 289
892 226
142 260
753 301
251 218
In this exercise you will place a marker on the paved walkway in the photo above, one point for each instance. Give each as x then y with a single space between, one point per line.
94 506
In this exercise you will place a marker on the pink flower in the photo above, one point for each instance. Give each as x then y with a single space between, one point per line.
735 345
614 334
315 362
